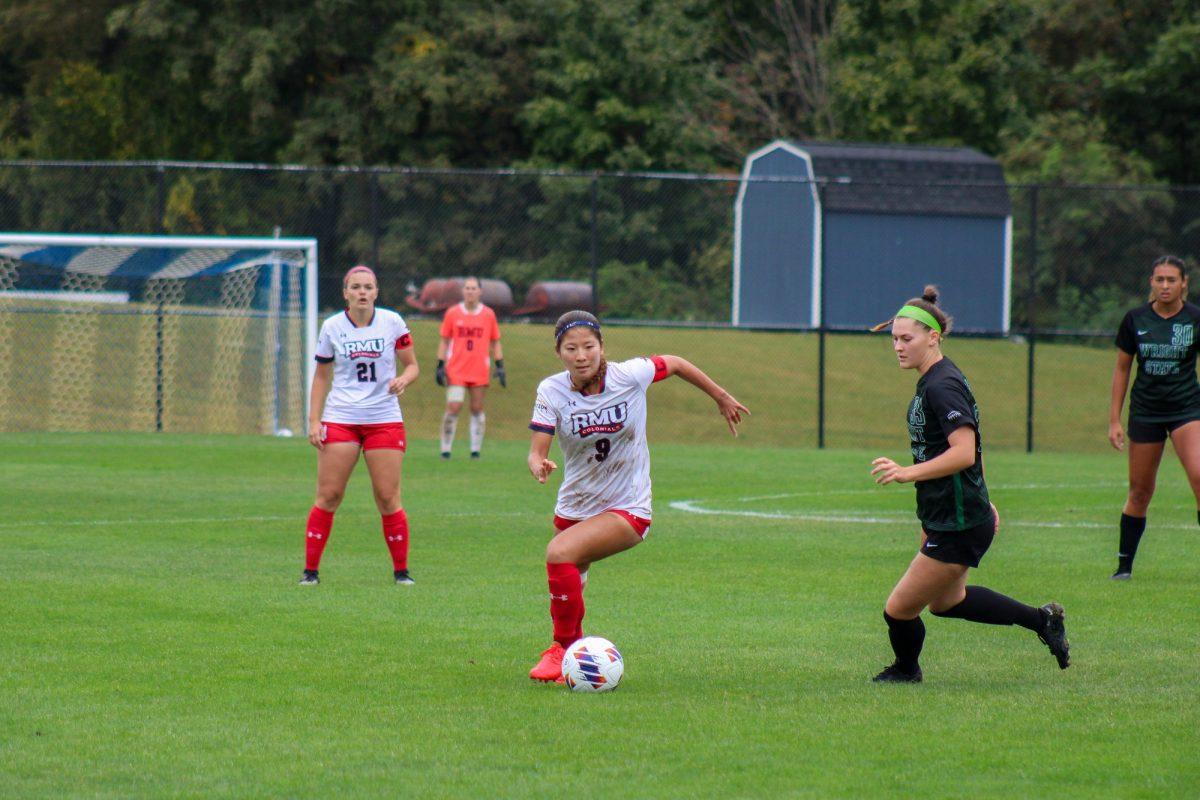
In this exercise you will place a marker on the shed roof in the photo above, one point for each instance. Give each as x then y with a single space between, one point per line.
908 179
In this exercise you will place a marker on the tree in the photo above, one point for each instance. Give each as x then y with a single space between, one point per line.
612 85
931 71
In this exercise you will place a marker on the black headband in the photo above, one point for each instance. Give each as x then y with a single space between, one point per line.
575 324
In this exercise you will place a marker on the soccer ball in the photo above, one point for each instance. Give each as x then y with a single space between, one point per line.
593 664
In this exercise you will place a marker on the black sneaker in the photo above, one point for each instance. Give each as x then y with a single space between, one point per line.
475 454
1054 634
1122 575
403 578
894 674
310 578
446 456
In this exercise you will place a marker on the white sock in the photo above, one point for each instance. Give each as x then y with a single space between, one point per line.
449 426
478 422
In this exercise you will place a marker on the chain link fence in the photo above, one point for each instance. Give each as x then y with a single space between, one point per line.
656 249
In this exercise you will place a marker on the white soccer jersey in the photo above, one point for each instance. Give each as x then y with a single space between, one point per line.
603 439
364 361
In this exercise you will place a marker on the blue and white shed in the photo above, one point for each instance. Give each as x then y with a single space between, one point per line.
893 218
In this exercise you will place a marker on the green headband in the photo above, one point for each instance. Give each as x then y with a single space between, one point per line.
920 315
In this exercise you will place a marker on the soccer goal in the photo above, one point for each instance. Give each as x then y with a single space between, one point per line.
193 334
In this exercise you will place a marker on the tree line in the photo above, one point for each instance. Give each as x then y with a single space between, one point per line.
1059 90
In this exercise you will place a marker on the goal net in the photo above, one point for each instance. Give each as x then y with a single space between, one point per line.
156 333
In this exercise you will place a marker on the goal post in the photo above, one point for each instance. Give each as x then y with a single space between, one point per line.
203 334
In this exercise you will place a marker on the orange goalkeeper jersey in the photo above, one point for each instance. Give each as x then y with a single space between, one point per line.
470 335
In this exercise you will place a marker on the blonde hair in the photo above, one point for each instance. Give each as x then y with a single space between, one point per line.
927 302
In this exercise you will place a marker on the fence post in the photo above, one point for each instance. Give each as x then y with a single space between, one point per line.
161 199
821 324
373 202
161 225
595 253
158 366
1030 301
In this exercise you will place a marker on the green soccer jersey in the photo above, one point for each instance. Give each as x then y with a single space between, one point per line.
943 404
1165 386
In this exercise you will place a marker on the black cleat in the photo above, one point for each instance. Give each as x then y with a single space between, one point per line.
403 578
1122 575
475 454
446 456
310 578
894 674
1054 634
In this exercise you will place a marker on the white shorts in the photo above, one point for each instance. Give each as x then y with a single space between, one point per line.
456 394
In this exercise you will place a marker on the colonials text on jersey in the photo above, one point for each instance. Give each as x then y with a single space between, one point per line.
609 419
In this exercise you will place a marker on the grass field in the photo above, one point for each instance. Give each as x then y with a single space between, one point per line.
212 387
153 640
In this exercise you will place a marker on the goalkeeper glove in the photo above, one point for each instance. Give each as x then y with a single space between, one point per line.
501 375
440 376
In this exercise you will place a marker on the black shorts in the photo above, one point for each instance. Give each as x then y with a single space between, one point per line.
960 547
1155 432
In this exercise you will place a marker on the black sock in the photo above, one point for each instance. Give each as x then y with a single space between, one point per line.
1132 529
983 605
907 636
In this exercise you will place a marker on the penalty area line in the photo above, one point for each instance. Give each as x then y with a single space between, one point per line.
694 507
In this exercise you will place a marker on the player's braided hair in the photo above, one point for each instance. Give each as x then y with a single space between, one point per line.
582 319
1170 261
928 302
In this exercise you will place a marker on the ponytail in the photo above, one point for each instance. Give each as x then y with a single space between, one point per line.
927 302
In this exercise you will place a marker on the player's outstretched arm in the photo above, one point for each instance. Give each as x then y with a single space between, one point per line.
728 405
539 448
322 381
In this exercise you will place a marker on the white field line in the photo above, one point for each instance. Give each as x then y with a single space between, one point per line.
694 507
997 488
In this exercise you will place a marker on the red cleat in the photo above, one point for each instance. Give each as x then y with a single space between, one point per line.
550 667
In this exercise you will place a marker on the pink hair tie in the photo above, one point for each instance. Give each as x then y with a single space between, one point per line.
359 268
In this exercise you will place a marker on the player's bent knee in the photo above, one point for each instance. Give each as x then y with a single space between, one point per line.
898 610
557 553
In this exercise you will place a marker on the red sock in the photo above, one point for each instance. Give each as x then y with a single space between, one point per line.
566 602
320 524
395 533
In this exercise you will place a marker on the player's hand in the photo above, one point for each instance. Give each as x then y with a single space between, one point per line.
501 375
542 469
1116 435
732 411
440 374
316 432
397 386
996 514
887 471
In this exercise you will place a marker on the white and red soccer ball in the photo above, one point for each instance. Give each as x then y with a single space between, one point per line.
593 664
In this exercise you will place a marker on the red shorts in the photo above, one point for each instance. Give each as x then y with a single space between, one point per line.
640 524
380 436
